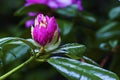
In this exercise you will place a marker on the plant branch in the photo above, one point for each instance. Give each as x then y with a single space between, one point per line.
21 65
17 68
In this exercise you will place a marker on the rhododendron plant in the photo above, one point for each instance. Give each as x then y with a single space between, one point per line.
61 41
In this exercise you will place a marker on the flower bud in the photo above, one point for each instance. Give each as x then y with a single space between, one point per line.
45 30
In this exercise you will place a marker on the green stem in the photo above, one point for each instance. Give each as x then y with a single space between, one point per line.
17 68
22 65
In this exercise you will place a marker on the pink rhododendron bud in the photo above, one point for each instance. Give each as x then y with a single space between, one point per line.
45 30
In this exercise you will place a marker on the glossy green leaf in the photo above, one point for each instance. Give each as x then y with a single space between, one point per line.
29 42
9 46
12 48
90 61
32 8
11 52
115 13
15 53
76 70
73 50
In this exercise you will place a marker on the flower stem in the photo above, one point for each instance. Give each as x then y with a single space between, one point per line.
21 65
17 68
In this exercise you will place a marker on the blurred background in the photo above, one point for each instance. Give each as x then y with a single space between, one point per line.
97 26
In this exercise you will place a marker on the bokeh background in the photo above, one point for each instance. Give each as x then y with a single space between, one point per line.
97 27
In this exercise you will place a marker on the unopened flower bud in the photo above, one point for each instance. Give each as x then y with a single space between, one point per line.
45 30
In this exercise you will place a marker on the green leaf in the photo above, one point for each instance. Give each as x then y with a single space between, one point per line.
76 70
113 43
15 53
109 35
90 61
66 29
13 47
114 13
28 42
65 26
9 46
105 46
73 50
33 8
68 11
108 31
5 40
88 17
108 27
109 45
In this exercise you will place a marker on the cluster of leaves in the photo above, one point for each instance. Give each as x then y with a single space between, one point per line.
70 68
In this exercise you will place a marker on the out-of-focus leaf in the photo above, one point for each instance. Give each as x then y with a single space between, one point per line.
32 8
76 70
108 35
68 11
88 17
110 26
113 43
65 26
108 31
114 13
67 31
109 45
73 50
105 46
